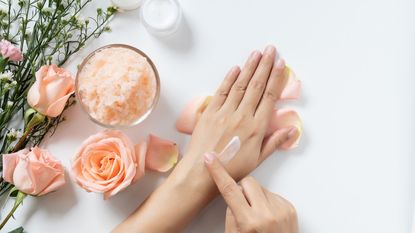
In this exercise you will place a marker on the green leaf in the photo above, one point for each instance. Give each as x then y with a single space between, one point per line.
17 230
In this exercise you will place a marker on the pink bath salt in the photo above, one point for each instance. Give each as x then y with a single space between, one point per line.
117 86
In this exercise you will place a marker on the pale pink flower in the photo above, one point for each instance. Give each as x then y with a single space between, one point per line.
51 90
33 172
9 51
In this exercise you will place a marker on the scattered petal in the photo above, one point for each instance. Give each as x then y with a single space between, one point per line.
283 118
292 87
140 151
191 113
162 154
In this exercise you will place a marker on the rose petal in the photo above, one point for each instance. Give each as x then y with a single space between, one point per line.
162 154
140 151
10 162
292 88
191 113
283 118
57 107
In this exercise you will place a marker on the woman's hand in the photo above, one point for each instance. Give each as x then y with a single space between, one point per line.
242 106
251 208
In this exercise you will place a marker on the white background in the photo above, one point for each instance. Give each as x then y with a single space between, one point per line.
355 168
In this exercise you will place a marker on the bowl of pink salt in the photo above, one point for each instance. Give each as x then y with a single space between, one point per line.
118 86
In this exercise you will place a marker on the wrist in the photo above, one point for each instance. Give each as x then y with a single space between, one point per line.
191 176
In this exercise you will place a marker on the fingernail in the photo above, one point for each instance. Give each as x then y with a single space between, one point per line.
255 54
292 132
269 49
209 157
280 64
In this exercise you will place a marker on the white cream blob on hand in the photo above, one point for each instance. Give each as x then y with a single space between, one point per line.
127 4
117 86
230 150
161 17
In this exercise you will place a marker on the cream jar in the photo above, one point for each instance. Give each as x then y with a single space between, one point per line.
118 86
161 17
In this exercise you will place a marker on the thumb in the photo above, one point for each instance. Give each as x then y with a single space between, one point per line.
278 138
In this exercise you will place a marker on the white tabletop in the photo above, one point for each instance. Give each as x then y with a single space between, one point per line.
355 168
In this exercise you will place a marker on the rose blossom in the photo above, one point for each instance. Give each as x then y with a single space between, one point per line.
8 50
107 163
51 90
33 172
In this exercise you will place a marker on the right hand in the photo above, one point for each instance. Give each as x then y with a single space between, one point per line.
251 208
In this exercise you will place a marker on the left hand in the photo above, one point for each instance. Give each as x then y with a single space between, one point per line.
242 106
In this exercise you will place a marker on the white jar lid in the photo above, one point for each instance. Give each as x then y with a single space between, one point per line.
161 17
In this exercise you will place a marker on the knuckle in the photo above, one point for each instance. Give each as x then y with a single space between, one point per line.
239 120
254 225
248 180
223 92
229 188
240 87
257 84
270 95
278 142
269 220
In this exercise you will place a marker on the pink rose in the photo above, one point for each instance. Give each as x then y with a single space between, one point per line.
33 172
8 50
107 163
52 89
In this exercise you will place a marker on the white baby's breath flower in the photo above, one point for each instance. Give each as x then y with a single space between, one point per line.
6 76
19 133
9 103
3 10
14 134
80 19
47 10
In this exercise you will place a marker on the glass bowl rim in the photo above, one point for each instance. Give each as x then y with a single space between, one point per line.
143 116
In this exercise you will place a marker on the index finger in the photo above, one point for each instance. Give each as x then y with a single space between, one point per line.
231 192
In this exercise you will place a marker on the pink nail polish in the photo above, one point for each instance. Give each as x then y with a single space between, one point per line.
292 132
209 157
280 64
269 49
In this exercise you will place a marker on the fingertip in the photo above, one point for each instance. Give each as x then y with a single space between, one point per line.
209 157
280 64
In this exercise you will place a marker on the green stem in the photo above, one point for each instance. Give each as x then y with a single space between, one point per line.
19 199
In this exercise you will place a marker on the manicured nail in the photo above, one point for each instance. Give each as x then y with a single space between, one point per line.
292 132
269 50
209 157
254 55
280 64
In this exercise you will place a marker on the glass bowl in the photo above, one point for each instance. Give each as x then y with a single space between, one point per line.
142 116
